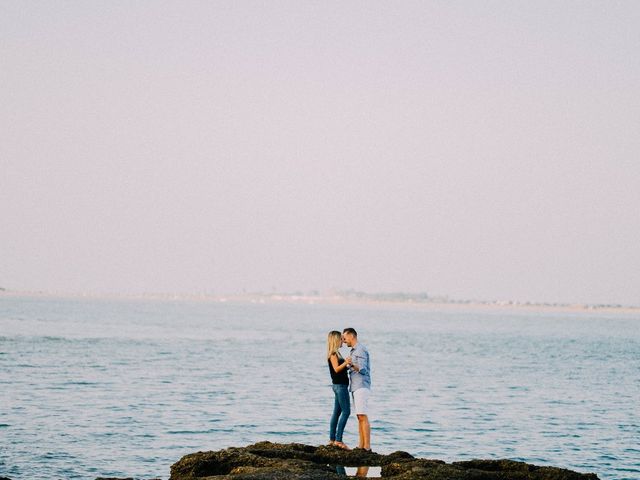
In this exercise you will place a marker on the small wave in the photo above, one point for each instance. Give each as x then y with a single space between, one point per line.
627 470
200 432
81 382
609 457
50 338
57 456
283 433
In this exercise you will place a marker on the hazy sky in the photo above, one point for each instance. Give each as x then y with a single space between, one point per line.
481 149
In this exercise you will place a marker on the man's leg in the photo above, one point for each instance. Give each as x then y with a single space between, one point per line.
364 430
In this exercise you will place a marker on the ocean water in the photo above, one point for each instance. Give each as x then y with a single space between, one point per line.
94 388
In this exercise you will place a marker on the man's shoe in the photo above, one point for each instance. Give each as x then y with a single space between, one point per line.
356 449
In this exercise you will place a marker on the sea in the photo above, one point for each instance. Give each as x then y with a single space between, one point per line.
125 387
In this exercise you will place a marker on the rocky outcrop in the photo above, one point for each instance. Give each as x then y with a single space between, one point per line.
274 461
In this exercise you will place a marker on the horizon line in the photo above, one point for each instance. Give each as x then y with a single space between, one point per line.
335 295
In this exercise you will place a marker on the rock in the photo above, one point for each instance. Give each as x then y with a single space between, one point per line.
275 461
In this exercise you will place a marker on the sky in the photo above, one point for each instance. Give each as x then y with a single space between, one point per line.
481 150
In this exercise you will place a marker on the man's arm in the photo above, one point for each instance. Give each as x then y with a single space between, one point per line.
361 359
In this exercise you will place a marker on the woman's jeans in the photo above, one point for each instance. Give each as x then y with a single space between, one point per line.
341 412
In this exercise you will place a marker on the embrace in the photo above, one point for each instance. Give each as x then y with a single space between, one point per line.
351 374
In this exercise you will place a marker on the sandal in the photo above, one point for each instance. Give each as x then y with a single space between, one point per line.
341 445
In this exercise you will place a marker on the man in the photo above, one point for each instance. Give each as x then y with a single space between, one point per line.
359 384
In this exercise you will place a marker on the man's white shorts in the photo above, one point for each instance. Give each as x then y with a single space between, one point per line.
361 401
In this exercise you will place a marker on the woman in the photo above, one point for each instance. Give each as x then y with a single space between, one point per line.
340 380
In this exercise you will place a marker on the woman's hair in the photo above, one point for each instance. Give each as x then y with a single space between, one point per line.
334 342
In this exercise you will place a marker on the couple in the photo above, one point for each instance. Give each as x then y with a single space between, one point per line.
351 374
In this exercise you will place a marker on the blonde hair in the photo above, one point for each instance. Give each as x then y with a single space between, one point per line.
334 342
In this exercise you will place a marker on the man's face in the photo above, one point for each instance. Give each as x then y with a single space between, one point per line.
348 339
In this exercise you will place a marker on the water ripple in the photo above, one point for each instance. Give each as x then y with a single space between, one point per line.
144 383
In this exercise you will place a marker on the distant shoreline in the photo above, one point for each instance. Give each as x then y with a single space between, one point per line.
360 299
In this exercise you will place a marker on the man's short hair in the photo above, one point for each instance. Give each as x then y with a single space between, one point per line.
350 330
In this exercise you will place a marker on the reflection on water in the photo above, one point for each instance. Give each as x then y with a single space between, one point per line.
362 472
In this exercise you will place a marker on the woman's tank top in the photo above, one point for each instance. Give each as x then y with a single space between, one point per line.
341 377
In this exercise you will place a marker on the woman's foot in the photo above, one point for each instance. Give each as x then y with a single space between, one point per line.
332 443
341 445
